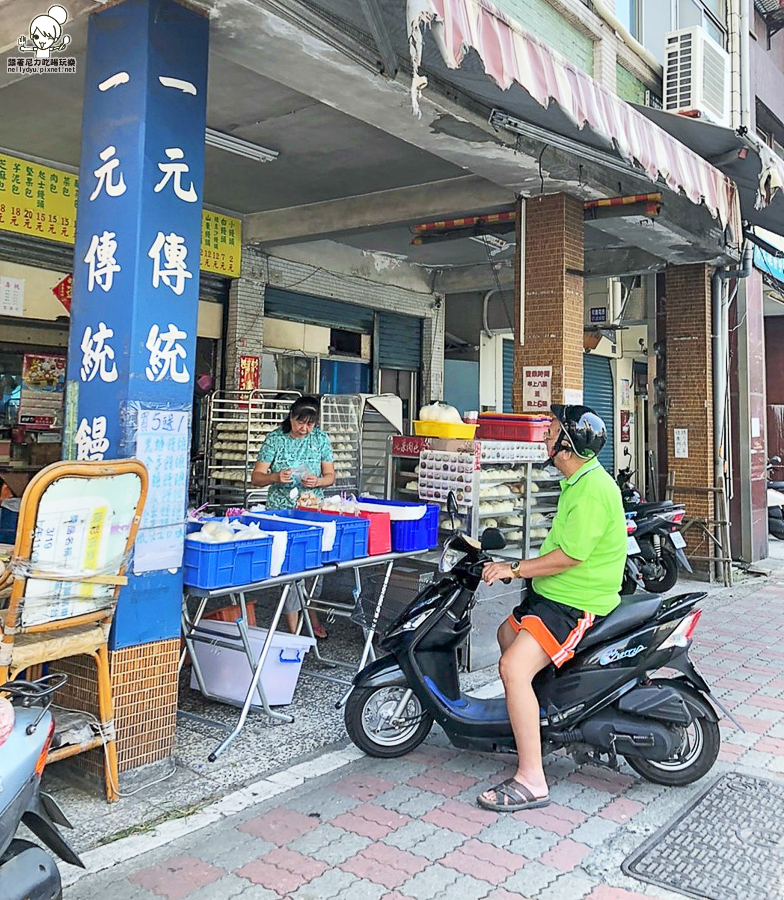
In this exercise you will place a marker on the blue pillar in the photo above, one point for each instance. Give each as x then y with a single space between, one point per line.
136 275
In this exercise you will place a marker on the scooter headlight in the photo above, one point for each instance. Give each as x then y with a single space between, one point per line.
450 557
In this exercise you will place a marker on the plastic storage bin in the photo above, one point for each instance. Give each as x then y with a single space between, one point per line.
227 564
507 427
303 548
459 430
351 538
418 534
226 672
379 530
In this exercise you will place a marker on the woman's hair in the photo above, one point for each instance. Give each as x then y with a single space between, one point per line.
305 409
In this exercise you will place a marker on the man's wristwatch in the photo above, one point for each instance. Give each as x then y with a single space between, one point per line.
515 567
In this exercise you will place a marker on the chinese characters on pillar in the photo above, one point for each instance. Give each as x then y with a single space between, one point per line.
537 389
91 440
168 254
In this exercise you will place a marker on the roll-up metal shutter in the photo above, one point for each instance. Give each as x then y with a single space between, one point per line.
599 394
29 251
399 341
213 287
280 304
508 350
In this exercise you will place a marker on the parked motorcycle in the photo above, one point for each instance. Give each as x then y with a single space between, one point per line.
775 500
602 704
632 576
27 872
657 544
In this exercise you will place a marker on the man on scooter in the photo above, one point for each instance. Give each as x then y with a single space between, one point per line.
572 584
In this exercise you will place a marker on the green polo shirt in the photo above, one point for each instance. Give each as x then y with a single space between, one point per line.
589 525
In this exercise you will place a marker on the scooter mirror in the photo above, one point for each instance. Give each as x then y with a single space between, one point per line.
492 539
451 507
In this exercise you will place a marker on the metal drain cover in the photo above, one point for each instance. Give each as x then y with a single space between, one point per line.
726 844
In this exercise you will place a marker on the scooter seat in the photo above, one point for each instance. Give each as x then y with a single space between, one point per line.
633 610
645 509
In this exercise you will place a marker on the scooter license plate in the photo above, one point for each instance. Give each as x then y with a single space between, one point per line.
632 547
677 539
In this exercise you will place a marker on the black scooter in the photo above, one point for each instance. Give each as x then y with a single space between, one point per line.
602 704
775 504
656 547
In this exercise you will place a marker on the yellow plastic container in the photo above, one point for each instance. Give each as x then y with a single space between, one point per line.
444 429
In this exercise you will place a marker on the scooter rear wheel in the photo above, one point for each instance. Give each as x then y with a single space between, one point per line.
698 752
665 577
368 717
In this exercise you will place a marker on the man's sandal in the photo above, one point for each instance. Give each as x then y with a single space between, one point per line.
512 796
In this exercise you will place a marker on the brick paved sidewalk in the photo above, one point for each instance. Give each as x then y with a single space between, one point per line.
410 828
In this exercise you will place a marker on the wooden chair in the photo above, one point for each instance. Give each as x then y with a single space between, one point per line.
77 526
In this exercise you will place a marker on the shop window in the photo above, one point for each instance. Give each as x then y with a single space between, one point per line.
344 377
286 372
345 343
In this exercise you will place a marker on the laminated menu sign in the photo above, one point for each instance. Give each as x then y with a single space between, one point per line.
72 536
163 445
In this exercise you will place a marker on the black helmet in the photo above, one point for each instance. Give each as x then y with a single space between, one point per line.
585 432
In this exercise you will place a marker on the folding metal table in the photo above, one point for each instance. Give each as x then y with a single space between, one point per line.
195 632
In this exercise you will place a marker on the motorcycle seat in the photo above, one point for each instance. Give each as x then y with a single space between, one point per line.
634 610
644 509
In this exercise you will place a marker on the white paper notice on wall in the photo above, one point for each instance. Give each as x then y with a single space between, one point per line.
11 296
755 427
573 397
681 436
537 385
163 445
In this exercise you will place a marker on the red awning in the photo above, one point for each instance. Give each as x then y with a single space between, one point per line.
510 56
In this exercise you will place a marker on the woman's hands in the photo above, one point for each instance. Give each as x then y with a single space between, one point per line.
311 481
496 571
284 476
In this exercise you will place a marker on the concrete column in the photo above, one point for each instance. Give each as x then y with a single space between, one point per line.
133 324
689 391
749 509
552 291
245 321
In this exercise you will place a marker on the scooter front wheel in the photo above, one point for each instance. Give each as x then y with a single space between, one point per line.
375 726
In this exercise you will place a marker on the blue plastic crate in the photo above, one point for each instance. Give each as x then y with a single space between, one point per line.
420 534
303 548
226 564
351 538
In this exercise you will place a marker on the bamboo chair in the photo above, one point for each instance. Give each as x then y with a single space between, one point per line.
77 526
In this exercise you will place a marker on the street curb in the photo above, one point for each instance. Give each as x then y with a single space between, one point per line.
102 858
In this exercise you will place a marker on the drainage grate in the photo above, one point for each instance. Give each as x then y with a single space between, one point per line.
726 844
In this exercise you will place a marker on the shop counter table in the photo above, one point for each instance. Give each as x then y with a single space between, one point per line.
296 582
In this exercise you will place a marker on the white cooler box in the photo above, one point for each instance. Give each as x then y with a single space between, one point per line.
226 672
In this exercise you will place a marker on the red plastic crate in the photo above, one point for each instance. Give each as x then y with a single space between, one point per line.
379 530
507 427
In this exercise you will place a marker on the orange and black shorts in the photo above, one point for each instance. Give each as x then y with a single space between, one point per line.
557 628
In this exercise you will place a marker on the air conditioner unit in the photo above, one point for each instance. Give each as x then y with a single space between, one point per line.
696 75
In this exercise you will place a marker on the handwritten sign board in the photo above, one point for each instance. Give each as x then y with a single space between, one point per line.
163 445
537 388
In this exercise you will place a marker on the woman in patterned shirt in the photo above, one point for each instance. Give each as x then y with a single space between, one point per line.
297 443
